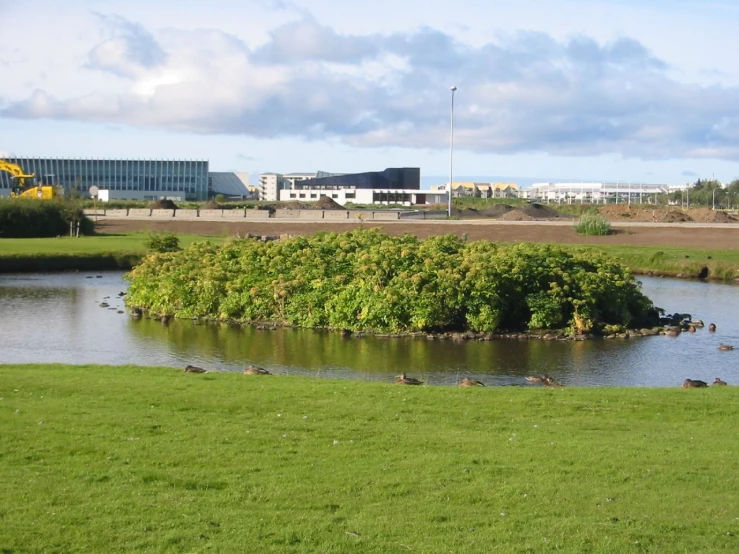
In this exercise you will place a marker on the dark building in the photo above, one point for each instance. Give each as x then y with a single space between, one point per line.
391 178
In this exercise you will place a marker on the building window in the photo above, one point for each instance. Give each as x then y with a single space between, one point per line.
293 195
313 195
350 195
301 195
334 196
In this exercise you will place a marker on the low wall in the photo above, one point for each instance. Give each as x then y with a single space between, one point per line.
310 214
385 216
233 214
252 214
114 213
287 214
162 213
210 213
335 214
139 212
257 214
186 214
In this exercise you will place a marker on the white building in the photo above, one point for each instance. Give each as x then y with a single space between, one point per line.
595 192
404 197
270 185
391 186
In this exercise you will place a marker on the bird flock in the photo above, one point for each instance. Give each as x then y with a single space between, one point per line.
466 382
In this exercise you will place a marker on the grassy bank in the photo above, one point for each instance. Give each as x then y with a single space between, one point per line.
112 459
122 251
722 265
86 252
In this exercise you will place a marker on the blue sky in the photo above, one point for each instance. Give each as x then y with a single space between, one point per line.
618 90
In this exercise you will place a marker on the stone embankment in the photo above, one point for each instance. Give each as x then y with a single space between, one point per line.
246 214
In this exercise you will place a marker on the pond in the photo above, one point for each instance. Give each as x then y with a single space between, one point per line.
49 318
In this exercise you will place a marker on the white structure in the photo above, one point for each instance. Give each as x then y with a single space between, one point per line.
230 183
480 190
619 193
405 197
270 185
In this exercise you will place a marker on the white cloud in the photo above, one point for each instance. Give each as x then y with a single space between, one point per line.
523 91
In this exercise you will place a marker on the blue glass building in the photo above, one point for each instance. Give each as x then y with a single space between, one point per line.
125 179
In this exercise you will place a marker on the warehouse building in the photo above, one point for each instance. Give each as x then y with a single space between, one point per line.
131 179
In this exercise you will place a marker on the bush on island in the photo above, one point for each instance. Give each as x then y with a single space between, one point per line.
364 280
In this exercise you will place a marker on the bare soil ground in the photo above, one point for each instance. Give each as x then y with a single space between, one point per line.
688 237
668 214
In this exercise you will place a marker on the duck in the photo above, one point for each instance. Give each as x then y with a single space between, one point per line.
403 380
719 381
694 384
723 346
697 323
712 327
550 382
194 369
537 378
467 382
256 370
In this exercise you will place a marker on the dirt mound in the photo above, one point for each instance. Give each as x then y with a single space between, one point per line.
673 216
517 215
540 211
326 203
495 211
163 205
723 217
467 213
210 205
708 215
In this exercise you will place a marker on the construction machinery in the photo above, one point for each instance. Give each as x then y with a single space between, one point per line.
24 185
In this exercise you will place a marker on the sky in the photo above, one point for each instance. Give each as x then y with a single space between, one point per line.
609 90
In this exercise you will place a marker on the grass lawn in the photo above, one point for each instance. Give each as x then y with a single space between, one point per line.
114 459
125 243
661 260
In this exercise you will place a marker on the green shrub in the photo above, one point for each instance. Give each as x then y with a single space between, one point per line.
29 218
365 280
163 242
589 224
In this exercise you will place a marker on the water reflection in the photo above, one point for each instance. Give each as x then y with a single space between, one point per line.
58 318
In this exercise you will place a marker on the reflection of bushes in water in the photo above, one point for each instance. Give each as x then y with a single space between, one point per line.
313 350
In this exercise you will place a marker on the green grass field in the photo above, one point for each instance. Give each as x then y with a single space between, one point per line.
124 243
672 261
660 260
132 459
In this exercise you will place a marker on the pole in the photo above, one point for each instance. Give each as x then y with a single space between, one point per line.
451 154
713 202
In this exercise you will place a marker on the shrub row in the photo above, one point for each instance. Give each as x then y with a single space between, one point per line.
365 280
28 217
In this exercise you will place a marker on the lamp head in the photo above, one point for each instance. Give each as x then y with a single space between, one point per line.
453 88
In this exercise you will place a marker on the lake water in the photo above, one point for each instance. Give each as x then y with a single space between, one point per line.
49 318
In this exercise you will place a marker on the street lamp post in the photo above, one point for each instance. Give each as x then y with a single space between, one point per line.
713 202
451 154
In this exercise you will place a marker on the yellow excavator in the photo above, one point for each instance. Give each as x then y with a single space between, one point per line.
24 187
